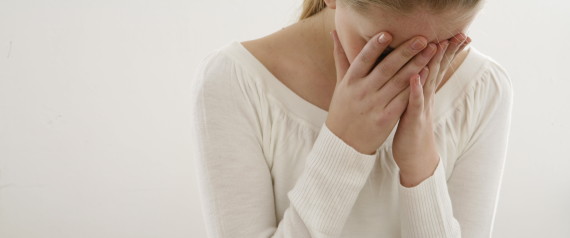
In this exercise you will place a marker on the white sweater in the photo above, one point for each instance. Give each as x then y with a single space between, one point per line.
268 166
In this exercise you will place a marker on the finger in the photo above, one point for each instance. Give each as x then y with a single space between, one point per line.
341 62
390 65
366 59
465 44
434 66
401 79
398 105
416 103
400 102
441 72
423 75
454 44
462 47
392 87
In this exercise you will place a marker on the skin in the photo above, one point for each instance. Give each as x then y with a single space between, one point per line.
364 98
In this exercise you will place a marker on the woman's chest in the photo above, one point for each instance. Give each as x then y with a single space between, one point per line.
377 202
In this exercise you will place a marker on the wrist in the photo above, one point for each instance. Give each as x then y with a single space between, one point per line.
412 175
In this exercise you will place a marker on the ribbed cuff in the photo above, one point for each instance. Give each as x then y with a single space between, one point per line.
334 175
426 209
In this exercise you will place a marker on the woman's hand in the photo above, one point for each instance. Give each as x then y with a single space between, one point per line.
414 147
368 100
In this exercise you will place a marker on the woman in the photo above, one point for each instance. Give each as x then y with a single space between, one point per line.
367 118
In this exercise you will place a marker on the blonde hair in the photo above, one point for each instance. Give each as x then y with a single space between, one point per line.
312 7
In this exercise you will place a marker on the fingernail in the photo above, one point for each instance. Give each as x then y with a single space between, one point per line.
462 37
382 38
418 44
445 44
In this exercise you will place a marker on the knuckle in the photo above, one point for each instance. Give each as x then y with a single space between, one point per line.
431 84
408 53
420 61
389 113
417 100
403 82
400 84
381 119
366 58
368 53
387 69
400 81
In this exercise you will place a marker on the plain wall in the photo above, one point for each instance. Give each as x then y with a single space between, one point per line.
94 112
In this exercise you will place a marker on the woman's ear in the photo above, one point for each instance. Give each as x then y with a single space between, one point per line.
331 3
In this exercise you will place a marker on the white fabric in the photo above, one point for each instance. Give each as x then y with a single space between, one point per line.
268 166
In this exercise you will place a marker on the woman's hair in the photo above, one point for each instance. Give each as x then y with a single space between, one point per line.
312 7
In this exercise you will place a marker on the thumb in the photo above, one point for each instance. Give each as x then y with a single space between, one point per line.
341 62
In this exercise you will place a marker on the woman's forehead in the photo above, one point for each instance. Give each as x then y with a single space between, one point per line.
435 28
402 34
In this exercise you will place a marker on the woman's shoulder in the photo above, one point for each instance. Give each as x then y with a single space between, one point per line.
480 85
488 71
481 79
494 84
488 88
219 61
228 65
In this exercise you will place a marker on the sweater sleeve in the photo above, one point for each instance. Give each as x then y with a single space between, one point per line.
234 178
464 206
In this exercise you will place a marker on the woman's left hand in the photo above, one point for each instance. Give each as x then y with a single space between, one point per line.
414 147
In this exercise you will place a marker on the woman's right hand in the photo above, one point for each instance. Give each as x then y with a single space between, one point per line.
369 99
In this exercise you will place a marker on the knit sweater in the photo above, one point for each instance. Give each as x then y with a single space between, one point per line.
268 166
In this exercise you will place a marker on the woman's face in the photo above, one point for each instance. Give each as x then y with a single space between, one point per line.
355 29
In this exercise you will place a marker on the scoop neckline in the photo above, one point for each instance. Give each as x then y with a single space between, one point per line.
444 97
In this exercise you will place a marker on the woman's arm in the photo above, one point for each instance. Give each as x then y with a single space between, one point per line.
464 206
476 179
234 178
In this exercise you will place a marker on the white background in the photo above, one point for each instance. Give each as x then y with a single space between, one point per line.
94 111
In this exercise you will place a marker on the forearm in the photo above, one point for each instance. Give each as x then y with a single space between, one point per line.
426 209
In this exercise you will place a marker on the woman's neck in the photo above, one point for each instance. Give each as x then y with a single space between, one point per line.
315 42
